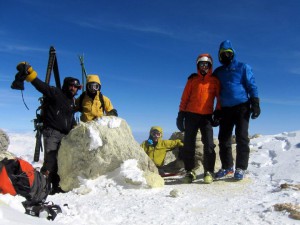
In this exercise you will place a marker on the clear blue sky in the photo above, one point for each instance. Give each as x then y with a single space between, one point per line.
145 50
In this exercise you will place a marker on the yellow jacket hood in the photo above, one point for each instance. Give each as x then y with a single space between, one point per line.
158 128
93 78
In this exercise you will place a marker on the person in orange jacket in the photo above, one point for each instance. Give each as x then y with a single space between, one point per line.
196 111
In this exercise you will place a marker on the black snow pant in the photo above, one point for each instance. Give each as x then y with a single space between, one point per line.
237 116
52 139
193 122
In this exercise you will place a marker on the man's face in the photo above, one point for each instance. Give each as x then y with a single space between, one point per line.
73 88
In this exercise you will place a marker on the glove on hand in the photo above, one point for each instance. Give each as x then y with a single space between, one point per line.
255 109
18 83
180 121
216 117
24 68
27 72
112 112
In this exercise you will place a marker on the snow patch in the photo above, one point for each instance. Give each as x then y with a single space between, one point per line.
110 122
95 138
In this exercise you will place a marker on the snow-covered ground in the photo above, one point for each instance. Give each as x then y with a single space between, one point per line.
273 161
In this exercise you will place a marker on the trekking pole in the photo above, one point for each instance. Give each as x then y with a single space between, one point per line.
83 72
38 127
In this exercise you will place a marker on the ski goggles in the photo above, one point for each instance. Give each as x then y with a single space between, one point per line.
227 52
203 64
93 86
75 83
155 133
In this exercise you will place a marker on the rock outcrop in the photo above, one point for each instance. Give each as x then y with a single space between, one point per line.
4 143
98 147
172 156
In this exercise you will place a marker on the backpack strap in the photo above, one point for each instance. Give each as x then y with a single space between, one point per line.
102 101
80 101
1 166
43 210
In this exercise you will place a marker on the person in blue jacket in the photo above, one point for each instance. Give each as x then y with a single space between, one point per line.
239 101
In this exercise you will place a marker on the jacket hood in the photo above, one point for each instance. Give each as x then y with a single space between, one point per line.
206 57
226 45
93 78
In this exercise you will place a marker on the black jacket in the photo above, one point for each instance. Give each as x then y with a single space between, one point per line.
58 110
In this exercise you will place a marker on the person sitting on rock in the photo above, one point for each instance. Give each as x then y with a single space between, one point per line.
156 148
92 103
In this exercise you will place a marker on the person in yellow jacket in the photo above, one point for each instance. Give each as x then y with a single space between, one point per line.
92 103
156 148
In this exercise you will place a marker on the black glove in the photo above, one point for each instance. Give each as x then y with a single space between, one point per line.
180 121
112 112
24 70
255 109
18 83
216 117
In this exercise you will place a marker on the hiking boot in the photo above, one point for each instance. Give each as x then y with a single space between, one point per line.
190 176
56 190
208 178
239 174
223 172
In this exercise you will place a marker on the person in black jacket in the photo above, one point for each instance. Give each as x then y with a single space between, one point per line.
58 118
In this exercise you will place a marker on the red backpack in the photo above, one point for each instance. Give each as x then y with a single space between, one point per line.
19 177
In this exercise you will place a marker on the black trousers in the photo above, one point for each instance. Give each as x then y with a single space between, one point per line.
238 117
52 139
193 122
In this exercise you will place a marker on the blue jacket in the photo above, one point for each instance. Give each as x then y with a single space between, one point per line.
237 80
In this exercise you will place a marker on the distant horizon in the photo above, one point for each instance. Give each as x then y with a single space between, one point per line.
140 136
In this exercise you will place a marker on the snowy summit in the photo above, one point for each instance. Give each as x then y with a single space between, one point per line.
263 197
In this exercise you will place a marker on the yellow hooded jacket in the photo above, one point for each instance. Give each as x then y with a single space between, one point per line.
92 108
158 152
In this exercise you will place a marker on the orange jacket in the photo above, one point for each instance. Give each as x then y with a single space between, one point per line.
200 92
